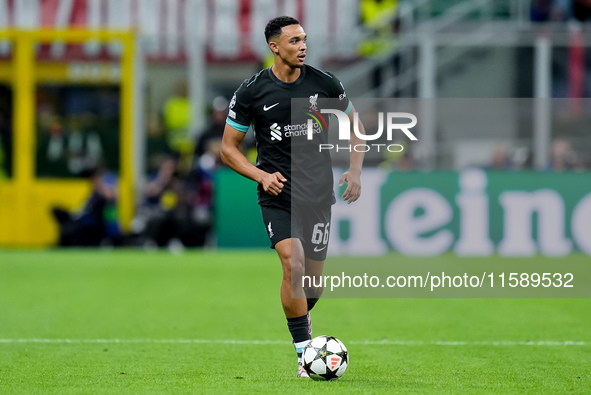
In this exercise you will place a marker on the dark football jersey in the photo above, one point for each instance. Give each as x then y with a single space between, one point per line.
264 102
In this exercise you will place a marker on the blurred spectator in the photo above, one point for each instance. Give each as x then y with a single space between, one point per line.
214 131
562 10
96 224
177 118
200 181
550 10
562 157
521 158
202 186
378 18
76 128
211 159
66 151
164 219
500 157
166 180
380 22
397 161
157 149
84 146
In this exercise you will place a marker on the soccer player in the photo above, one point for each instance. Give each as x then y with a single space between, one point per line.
264 101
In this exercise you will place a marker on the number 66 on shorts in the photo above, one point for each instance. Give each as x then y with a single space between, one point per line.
309 224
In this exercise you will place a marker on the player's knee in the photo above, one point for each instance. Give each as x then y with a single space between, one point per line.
292 267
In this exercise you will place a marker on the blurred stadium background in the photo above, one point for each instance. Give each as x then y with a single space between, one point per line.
111 111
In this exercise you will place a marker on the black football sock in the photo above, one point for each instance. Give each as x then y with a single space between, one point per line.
298 327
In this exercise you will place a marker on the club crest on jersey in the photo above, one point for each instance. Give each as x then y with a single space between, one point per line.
314 102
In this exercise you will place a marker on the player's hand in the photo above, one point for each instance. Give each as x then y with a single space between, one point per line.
353 180
273 183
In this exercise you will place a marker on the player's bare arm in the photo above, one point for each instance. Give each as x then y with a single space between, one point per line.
353 176
235 159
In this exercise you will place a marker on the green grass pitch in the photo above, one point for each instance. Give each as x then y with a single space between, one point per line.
135 322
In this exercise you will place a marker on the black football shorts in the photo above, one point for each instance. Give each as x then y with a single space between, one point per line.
309 224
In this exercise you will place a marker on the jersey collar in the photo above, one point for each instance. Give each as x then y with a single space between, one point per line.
287 84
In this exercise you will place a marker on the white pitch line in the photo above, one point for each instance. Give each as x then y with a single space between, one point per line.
501 343
146 341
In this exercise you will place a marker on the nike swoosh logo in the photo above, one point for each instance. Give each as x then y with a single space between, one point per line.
265 108
318 250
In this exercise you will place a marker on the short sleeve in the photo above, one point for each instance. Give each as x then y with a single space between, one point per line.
345 104
239 110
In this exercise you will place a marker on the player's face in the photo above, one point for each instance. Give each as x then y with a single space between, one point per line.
292 46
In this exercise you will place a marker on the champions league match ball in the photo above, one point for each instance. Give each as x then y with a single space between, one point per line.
325 358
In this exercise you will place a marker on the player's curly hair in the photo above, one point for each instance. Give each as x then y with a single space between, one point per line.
273 28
